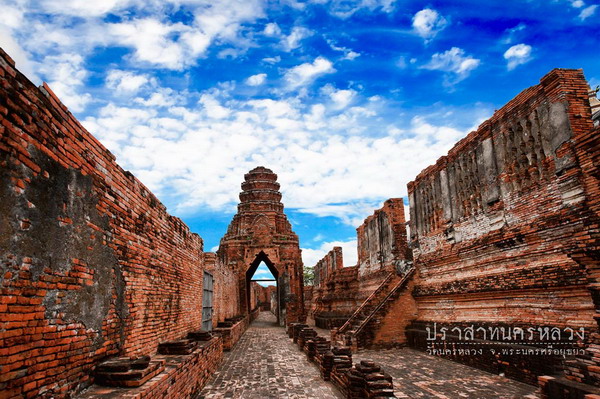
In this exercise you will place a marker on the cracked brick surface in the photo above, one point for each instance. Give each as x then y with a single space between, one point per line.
419 375
266 364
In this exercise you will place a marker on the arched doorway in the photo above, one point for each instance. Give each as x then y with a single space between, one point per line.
262 258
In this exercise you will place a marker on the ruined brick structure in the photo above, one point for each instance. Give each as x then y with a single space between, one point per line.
505 230
382 250
504 233
260 232
91 264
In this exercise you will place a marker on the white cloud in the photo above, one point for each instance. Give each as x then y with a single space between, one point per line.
577 3
126 81
454 61
517 55
292 41
427 23
588 12
256 80
65 74
346 8
304 74
340 98
153 42
310 256
272 60
81 8
272 29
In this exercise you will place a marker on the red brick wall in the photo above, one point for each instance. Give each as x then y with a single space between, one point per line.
326 267
382 239
91 264
382 249
497 223
225 289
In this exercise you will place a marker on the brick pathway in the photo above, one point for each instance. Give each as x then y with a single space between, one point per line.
419 375
266 364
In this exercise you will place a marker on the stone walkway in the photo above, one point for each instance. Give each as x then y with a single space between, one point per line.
266 364
419 375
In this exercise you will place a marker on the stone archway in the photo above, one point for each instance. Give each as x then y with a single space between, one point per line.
260 230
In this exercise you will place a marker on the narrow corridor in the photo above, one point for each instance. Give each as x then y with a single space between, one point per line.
266 364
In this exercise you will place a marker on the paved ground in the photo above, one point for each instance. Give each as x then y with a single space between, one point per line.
266 364
419 375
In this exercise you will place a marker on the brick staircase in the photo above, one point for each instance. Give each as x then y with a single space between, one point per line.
353 333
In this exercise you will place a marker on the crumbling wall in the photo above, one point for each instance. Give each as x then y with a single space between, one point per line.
91 263
382 246
327 266
499 225
382 249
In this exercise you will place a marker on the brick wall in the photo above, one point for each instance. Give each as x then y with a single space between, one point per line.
503 226
225 289
328 265
382 249
382 241
91 263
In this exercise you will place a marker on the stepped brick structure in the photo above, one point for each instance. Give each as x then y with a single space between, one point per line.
260 232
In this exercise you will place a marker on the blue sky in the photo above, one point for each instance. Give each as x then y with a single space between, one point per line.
346 101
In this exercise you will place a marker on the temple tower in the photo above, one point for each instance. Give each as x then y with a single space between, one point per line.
261 232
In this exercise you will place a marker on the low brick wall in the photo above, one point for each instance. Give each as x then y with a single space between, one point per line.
183 376
231 335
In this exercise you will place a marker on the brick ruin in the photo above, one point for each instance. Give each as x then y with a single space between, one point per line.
382 250
260 232
93 268
503 251
504 233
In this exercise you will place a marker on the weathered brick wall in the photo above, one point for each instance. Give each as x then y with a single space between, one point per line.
225 289
91 264
498 223
382 241
382 249
327 266
183 377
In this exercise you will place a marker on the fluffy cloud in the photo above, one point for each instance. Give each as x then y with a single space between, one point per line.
292 41
256 80
65 74
82 8
588 12
517 55
306 73
427 23
126 81
455 62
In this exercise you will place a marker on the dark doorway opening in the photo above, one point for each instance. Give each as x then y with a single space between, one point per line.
263 278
